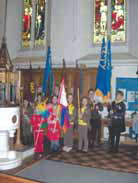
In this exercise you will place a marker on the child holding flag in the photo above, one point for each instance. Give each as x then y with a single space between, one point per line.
68 138
53 129
39 123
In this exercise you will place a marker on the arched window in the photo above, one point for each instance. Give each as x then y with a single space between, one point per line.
103 26
34 24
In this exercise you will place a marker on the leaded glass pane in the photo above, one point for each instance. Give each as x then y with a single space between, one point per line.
40 38
100 20
26 24
118 21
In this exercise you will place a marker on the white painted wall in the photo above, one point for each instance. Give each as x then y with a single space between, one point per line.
133 27
62 30
1 19
71 30
128 71
13 33
13 26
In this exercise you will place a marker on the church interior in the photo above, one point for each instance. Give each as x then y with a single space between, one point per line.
58 49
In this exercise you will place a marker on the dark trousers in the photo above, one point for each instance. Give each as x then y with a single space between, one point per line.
96 135
95 131
27 139
110 131
90 136
47 145
115 138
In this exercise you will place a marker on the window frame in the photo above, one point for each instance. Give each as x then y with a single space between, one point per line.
32 41
116 43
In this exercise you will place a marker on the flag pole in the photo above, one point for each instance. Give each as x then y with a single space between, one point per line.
109 33
18 144
109 19
38 132
78 101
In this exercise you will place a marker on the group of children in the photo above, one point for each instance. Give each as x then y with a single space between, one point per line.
48 130
46 125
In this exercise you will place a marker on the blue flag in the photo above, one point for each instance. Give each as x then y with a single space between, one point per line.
47 71
108 69
100 78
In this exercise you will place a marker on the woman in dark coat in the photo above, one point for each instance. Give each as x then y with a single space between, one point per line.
26 113
117 120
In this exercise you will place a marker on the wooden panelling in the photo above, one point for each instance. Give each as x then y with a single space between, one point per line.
89 78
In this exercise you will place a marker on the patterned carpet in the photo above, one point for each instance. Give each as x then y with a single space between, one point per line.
125 160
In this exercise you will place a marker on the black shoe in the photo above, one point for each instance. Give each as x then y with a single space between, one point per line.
79 151
84 151
115 150
111 149
93 145
55 151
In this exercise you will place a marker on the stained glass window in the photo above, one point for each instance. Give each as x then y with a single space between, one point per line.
33 24
118 20
100 20
40 23
26 23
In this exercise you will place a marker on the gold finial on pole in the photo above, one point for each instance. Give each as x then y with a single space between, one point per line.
18 144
